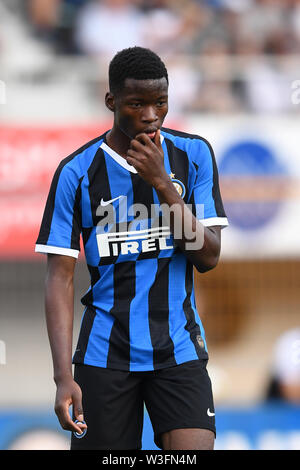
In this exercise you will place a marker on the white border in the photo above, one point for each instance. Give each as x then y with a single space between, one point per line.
214 221
120 160
56 250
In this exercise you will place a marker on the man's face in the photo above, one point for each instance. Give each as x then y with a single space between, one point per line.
141 106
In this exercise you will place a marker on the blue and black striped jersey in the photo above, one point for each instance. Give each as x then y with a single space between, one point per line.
140 311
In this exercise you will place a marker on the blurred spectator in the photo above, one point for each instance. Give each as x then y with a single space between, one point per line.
269 22
295 19
183 88
53 22
266 87
285 374
218 49
162 27
44 16
172 26
106 26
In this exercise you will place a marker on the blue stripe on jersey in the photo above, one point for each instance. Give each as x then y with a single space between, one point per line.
183 143
170 241
98 344
139 322
61 224
156 200
199 152
62 219
86 207
166 158
205 207
183 346
120 185
91 249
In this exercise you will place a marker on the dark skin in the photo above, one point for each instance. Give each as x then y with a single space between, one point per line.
139 111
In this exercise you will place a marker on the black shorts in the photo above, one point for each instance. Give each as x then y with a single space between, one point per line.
113 404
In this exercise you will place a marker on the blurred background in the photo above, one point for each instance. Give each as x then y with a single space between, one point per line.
234 79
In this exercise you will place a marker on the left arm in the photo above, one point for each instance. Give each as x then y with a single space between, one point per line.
200 244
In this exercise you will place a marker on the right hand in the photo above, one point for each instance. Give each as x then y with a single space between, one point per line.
69 393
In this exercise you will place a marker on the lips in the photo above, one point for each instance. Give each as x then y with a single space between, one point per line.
151 133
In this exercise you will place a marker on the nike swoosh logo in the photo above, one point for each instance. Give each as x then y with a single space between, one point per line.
106 203
209 413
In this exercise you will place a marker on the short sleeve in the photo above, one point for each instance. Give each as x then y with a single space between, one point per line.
61 224
205 198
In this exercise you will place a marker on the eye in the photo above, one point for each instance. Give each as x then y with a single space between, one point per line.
135 105
161 103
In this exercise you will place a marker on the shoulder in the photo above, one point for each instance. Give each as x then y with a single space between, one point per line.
79 160
197 147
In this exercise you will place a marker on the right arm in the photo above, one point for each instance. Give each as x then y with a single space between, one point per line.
59 307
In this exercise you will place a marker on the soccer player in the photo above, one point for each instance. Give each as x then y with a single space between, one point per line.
146 200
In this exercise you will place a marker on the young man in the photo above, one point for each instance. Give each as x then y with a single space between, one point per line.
141 340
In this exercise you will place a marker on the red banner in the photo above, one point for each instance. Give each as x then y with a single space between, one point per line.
28 159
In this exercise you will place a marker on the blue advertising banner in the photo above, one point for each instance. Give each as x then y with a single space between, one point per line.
266 427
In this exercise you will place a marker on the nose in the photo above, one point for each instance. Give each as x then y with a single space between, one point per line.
149 114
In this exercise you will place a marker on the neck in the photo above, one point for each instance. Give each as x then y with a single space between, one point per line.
118 141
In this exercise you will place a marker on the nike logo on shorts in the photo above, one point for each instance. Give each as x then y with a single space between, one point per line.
209 413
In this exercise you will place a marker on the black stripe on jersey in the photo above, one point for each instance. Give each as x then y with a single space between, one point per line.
49 208
163 347
216 189
158 222
76 223
142 192
85 330
181 133
86 232
179 164
98 183
191 326
88 318
88 298
191 201
99 188
124 292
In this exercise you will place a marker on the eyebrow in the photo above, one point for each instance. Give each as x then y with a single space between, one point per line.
136 98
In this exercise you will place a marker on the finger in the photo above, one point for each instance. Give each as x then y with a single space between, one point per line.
78 413
144 139
157 139
132 154
137 156
138 146
135 163
131 161
62 412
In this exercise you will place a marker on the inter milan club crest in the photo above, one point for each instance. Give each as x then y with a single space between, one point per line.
200 341
178 185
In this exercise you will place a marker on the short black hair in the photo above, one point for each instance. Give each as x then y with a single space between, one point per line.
135 62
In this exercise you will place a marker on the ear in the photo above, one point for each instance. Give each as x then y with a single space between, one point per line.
110 101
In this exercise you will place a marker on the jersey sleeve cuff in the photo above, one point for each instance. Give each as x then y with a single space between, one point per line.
211 221
56 250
